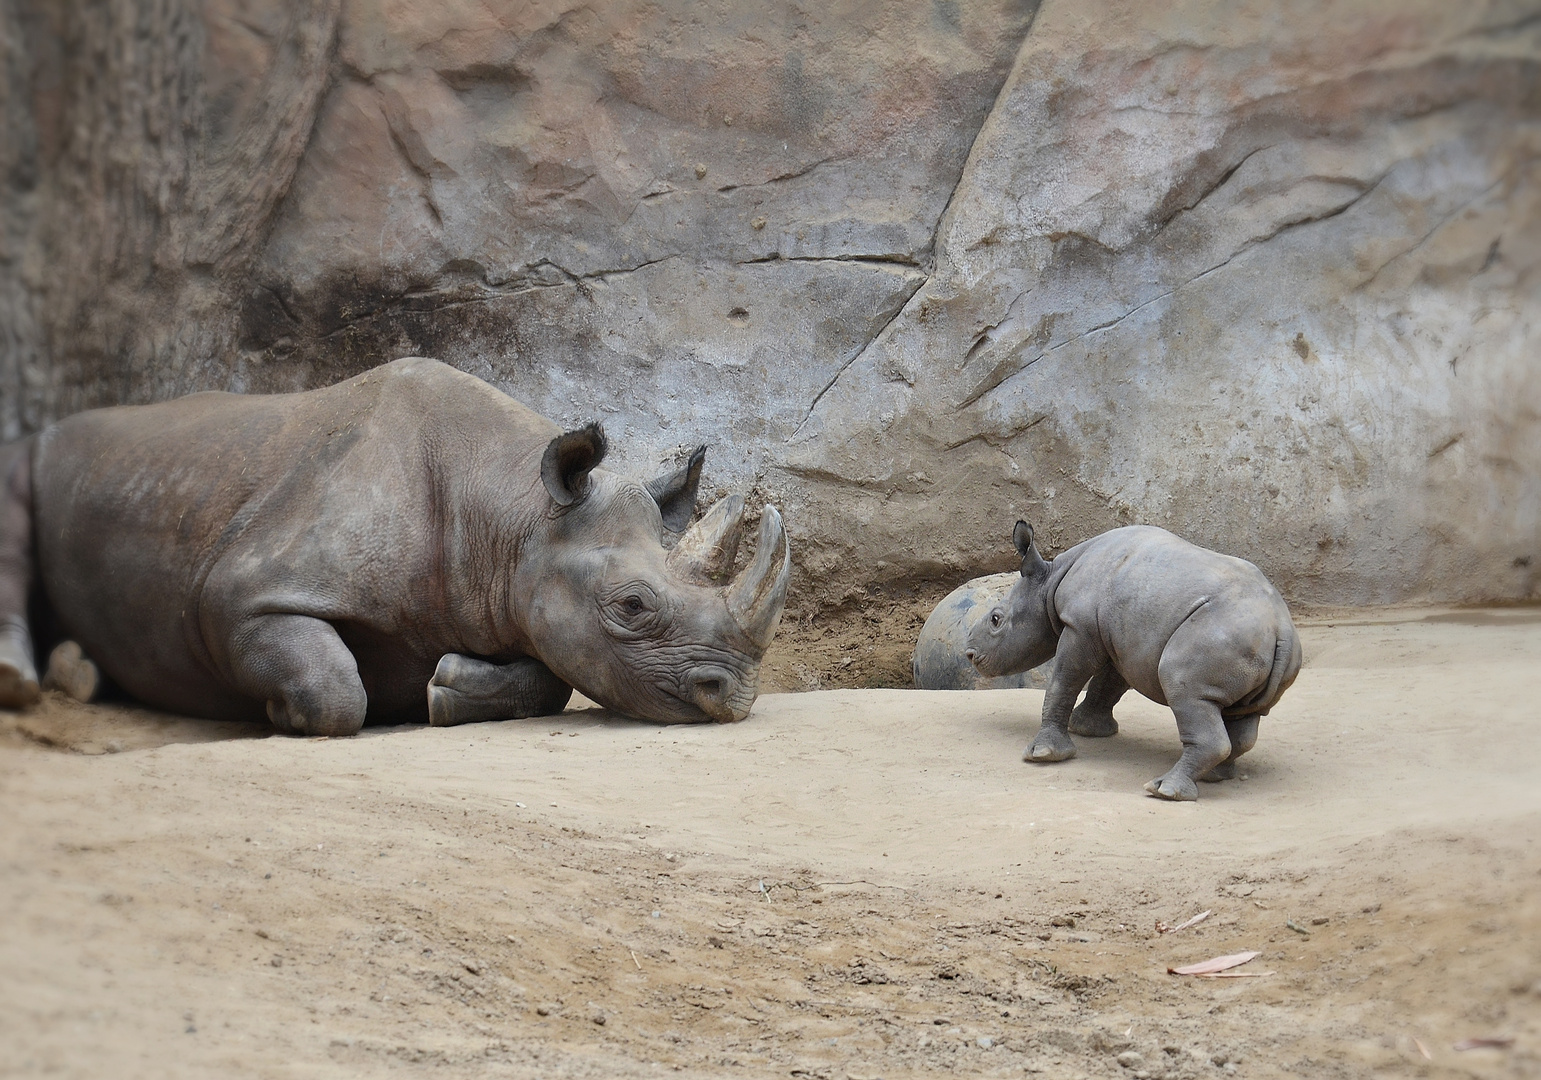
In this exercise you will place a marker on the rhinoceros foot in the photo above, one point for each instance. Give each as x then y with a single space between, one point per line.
1051 744
18 678
465 690
1176 788
70 670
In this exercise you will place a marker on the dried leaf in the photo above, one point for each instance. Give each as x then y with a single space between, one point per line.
1219 963
1234 974
1490 1042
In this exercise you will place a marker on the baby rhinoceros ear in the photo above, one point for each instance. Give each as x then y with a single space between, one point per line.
675 493
567 462
1032 562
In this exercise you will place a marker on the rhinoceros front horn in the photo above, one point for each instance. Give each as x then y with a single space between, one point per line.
758 594
705 553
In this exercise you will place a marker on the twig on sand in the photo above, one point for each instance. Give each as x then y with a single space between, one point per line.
1489 1042
634 959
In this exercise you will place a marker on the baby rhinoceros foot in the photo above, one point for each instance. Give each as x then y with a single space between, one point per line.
71 670
1173 786
1051 744
1091 723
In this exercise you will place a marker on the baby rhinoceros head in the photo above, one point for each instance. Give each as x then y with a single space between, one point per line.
655 633
1017 633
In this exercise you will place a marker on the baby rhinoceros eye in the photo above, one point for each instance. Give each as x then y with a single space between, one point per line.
995 617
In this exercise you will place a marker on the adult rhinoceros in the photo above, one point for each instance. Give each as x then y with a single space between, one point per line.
409 543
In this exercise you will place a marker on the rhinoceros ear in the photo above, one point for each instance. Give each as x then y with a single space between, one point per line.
1032 562
568 460
675 493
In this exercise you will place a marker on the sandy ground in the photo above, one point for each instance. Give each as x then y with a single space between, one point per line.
851 883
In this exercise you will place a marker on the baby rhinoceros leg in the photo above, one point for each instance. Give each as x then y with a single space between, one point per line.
1077 658
1093 718
465 690
1243 734
71 670
1205 745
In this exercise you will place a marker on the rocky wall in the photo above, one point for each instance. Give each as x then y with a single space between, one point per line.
1266 273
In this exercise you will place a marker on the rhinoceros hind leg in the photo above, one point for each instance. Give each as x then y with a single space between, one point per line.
304 672
18 673
1093 718
1243 734
1205 745
71 670
466 690
18 678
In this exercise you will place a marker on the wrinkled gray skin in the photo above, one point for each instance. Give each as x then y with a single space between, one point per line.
1137 607
408 544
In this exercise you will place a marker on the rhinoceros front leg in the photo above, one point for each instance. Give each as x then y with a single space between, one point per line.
465 690
1093 718
304 672
1077 658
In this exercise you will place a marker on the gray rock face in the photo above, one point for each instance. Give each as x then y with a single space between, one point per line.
1268 277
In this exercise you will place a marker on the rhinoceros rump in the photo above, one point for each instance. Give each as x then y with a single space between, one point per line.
408 544
1204 633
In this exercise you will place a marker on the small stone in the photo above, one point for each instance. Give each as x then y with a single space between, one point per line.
985 1042
599 1018
542 1010
1130 1059
1320 920
700 172
472 966
277 961
1067 921
757 224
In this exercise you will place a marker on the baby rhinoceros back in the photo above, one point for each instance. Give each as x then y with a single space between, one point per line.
1201 632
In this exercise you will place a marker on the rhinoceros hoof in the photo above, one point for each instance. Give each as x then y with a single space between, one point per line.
18 685
1052 744
1226 770
293 723
1177 789
70 670
1092 725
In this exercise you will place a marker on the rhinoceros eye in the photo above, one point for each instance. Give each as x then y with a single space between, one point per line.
632 609
995 617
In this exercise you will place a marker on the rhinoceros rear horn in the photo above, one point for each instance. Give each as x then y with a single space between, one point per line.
675 493
567 462
758 594
705 553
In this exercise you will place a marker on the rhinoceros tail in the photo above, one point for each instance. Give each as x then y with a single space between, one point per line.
1286 665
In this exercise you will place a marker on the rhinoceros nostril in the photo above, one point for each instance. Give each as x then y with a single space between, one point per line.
713 690
968 654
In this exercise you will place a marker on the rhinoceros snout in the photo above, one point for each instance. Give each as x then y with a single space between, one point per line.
718 693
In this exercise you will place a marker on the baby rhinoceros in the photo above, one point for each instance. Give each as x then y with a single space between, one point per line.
1201 632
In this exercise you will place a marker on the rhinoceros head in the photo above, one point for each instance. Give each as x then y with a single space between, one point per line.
649 631
1017 633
